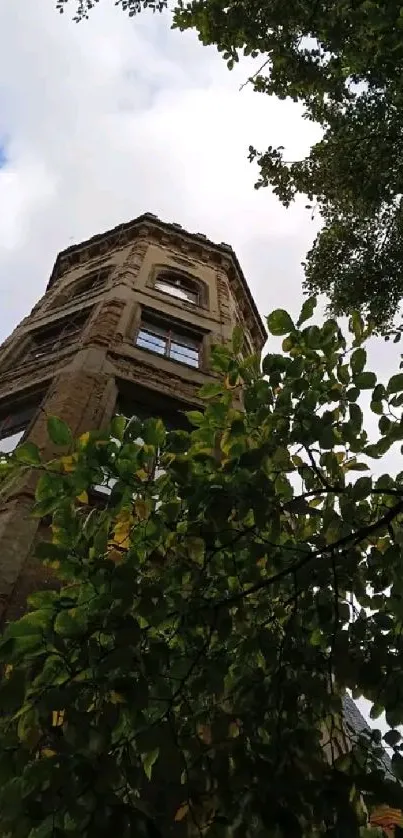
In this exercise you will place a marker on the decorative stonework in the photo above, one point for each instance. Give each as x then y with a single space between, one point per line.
193 245
147 375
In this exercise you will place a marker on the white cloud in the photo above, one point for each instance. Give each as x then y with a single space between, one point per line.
117 116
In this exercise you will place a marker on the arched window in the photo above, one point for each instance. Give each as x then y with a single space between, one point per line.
84 286
178 285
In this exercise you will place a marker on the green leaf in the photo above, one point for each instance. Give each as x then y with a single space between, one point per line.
397 765
118 427
237 339
358 361
365 380
356 325
210 390
355 416
59 431
395 384
195 417
354 466
48 551
384 424
28 453
43 599
392 737
279 322
362 488
307 310
46 829
376 407
148 760
343 374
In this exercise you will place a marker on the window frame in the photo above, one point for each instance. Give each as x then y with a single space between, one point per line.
84 285
70 330
173 279
17 419
170 334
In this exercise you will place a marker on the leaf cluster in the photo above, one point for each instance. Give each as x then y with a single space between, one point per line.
188 677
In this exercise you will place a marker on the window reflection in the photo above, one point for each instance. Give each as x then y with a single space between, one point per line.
173 344
9 443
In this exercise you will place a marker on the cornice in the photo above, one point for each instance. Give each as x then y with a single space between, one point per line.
147 228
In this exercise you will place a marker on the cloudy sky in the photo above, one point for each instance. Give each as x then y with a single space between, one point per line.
104 120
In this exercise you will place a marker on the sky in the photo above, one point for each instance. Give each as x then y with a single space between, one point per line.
104 120
108 119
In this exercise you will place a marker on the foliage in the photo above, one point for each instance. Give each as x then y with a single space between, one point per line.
343 61
187 678
133 7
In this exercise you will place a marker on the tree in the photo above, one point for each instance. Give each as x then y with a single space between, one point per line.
188 676
343 60
133 7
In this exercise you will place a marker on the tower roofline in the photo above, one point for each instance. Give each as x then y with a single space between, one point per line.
70 256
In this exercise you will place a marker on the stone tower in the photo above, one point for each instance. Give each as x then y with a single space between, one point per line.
126 324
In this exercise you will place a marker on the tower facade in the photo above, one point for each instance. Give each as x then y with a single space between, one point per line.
126 325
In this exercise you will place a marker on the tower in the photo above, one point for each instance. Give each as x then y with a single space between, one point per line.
126 324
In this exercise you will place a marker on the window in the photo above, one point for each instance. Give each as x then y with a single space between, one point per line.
86 285
13 426
172 343
55 337
178 286
91 283
153 469
173 418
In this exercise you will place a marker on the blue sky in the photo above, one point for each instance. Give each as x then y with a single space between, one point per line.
3 156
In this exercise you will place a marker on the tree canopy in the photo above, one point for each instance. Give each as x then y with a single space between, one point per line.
188 676
343 60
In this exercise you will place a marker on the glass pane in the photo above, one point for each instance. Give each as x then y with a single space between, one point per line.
178 291
186 354
9 443
148 340
106 488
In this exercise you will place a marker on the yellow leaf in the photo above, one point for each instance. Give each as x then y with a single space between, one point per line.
141 508
233 730
121 532
182 812
8 670
83 439
142 474
204 733
195 547
68 462
82 497
55 535
115 556
121 538
47 752
57 718
116 698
